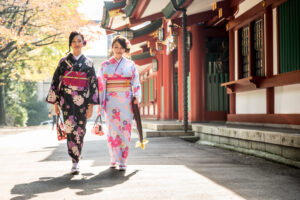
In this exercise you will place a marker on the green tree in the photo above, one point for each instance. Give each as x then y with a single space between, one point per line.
32 35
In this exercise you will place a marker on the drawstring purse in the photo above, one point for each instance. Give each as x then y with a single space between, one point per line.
60 128
97 128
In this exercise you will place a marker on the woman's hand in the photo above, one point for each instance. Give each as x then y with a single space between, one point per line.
56 109
89 111
99 110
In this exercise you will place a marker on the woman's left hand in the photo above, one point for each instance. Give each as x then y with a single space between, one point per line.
89 111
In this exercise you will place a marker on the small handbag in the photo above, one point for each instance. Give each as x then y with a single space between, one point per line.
97 128
60 128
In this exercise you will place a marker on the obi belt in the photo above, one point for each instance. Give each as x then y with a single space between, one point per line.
119 84
75 79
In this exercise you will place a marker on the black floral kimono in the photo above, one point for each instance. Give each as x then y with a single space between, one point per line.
74 87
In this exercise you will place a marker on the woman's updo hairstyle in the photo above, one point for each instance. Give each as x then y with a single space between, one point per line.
124 42
71 37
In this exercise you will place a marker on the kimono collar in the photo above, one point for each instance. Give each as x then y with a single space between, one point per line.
73 60
113 60
77 57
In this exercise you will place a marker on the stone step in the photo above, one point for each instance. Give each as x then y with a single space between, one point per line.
163 133
162 127
168 133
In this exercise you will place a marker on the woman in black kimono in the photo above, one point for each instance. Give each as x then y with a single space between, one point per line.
74 89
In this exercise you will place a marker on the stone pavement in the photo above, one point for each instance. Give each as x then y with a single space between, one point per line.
33 165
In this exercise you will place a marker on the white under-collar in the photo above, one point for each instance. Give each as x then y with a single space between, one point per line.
118 60
77 57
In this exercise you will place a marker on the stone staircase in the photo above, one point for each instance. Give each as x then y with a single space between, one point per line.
163 129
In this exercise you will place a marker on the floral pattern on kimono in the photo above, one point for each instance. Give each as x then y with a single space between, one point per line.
74 100
117 106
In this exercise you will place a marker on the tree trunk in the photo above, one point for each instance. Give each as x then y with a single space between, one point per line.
2 105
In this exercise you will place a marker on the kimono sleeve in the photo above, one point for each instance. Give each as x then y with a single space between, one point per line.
101 86
53 94
135 83
93 87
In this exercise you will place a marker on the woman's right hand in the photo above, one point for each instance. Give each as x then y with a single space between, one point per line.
56 109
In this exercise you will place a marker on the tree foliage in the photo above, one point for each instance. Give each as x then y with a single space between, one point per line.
29 25
33 36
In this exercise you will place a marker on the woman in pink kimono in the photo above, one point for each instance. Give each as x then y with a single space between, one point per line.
118 81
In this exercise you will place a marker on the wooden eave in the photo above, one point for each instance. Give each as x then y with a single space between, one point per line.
253 83
108 6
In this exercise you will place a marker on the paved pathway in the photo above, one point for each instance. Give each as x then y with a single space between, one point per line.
33 165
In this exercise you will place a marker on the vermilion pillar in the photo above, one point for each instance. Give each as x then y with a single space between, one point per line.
197 73
159 84
168 85
231 70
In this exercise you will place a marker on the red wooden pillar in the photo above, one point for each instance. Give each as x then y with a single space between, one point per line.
159 84
180 77
197 73
269 59
231 70
168 85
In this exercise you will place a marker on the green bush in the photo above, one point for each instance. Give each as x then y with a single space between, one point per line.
16 115
37 112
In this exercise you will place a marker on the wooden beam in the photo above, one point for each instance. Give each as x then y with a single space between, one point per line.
140 9
196 18
144 61
265 118
140 39
153 17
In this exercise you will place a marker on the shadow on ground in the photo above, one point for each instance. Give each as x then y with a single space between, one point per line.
248 176
96 184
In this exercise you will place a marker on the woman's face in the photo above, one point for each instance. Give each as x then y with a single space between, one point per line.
118 50
77 43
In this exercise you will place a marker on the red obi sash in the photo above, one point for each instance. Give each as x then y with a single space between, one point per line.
75 79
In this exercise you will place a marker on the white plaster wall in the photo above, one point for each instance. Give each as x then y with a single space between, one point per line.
275 45
151 110
253 102
236 55
287 99
246 5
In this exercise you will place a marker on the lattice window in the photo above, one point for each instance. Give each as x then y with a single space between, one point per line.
244 38
258 47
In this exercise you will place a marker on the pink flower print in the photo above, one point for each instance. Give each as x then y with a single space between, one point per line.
73 148
100 84
113 94
78 100
127 94
116 114
116 122
115 142
125 153
136 89
121 99
128 127
112 60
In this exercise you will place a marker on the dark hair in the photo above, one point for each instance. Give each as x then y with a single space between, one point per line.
71 37
124 42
